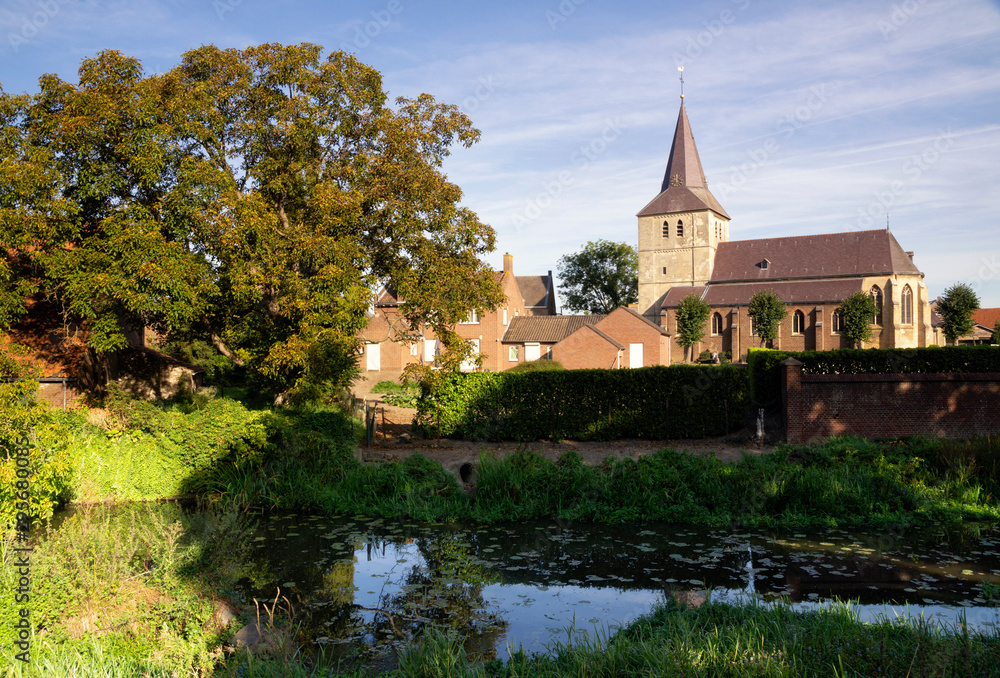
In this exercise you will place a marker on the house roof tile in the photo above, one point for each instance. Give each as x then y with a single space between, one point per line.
546 329
987 317
534 290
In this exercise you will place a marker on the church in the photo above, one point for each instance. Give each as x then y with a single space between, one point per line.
684 248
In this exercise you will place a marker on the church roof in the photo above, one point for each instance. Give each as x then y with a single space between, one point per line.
684 188
792 292
834 255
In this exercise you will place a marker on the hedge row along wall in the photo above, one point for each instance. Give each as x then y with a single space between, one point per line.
680 401
766 373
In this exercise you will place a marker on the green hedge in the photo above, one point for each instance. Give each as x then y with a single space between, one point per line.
681 401
766 374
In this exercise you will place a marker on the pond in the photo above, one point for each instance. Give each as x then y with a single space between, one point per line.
358 587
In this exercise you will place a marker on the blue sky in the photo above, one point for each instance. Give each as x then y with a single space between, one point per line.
810 117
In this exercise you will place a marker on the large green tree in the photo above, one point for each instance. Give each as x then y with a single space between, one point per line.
257 197
767 311
692 314
599 278
857 310
956 307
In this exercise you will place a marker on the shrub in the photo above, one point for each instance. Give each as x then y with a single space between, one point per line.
681 401
537 366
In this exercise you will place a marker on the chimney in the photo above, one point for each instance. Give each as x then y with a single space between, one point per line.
910 255
508 263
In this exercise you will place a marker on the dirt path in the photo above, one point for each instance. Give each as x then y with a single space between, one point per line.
396 440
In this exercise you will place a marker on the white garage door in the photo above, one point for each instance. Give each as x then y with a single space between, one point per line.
374 357
430 350
635 355
469 365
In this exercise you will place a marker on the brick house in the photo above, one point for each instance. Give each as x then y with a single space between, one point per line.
390 345
684 248
532 337
640 343
622 338
984 319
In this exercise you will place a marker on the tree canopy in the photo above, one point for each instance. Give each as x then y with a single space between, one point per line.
599 278
857 310
256 197
767 311
692 315
956 307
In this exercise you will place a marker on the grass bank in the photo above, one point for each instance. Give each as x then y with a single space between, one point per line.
304 460
722 640
847 481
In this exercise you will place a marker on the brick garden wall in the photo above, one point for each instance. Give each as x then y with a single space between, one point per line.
817 406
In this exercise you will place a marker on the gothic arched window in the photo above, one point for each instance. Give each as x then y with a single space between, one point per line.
876 293
716 324
680 228
799 322
906 306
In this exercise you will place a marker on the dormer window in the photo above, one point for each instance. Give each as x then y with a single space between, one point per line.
764 265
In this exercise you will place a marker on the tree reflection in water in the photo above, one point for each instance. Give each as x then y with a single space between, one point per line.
444 592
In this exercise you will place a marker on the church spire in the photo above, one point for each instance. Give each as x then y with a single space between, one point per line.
684 188
683 165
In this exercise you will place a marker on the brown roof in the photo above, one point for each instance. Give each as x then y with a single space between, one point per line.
387 297
684 188
987 317
546 329
791 292
854 253
534 289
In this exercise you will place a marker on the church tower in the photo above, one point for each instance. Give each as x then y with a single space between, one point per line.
681 228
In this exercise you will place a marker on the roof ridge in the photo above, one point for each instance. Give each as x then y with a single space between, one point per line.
814 235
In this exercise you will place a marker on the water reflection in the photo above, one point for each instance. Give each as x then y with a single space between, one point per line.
361 586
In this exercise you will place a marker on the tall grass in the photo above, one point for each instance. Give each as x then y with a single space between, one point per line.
846 481
722 640
129 592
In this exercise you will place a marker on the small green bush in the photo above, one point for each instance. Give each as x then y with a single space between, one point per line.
542 365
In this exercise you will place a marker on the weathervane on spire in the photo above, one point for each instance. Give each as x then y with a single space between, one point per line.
681 69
